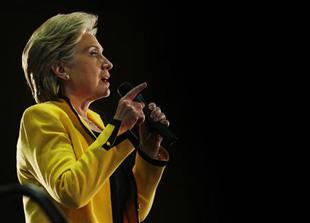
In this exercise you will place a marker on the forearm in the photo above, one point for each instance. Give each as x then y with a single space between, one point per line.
75 186
148 173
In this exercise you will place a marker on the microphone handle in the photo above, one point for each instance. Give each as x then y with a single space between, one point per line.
168 137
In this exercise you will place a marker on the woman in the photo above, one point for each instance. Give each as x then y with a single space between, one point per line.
65 148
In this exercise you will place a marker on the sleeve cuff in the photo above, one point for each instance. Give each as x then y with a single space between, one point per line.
112 139
116 123
155 162
128 135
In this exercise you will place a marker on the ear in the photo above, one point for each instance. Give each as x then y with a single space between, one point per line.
59 71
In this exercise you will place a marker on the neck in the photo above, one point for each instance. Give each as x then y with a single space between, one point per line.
80 105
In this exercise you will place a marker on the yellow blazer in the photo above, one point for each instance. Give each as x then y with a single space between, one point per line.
57 152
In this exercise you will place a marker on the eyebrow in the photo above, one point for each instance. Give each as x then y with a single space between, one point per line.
97 47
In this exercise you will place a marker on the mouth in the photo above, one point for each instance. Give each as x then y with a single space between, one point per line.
105 79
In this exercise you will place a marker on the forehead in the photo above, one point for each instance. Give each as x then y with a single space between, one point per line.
88 40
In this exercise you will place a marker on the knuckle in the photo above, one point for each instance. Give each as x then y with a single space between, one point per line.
151 105
126 102
142 117
131 109
140 106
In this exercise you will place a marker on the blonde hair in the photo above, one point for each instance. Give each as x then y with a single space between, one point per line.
54 40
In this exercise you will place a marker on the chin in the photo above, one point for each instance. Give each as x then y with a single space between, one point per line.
105 94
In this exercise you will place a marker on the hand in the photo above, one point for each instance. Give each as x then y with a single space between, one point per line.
150 140
128 111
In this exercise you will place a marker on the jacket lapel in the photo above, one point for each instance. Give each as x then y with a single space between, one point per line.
80 124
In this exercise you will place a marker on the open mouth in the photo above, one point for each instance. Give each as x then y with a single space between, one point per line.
105 79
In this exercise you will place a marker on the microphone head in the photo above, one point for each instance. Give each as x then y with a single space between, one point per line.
125 87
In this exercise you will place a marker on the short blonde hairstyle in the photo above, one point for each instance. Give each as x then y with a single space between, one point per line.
53 41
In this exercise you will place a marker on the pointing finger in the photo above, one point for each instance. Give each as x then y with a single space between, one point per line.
135 91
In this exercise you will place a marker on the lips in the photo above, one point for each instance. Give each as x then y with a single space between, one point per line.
105 78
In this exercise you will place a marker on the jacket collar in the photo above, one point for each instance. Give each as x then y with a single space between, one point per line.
65 104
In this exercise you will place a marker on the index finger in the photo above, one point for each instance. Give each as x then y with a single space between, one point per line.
135 91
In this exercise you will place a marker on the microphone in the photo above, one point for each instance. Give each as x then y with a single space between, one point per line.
168 137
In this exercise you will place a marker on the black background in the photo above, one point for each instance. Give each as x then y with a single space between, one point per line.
192 59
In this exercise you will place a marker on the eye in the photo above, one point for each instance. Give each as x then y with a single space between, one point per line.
94 53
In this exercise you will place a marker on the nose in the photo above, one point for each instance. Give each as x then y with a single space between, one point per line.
106 64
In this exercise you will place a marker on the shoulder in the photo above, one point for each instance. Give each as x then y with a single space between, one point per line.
46 109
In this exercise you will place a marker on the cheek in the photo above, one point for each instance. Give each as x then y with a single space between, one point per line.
86 72
83 67
90 69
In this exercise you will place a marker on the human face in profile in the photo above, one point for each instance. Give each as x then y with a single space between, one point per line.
88 70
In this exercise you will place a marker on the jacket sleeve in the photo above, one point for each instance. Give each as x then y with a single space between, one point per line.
148 173
47 146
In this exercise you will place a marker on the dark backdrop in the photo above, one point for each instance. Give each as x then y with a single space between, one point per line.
161 44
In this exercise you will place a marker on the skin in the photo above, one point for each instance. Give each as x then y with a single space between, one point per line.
85 79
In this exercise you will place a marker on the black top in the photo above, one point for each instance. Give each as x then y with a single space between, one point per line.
121 188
